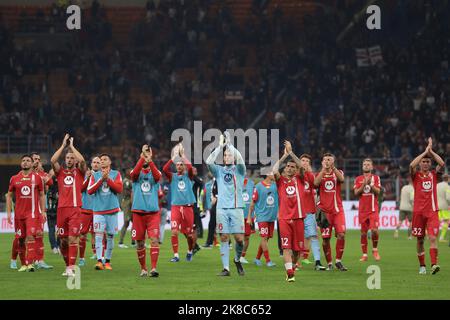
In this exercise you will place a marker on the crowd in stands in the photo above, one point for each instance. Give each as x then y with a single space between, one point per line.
307 84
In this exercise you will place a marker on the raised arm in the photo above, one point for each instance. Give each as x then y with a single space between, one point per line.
339 175
78 156
55 158
276 166
166 170
288 147
210 161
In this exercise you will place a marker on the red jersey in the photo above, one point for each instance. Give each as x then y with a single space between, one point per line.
368 201
70 184
43 175
307 193
289 198
27 192
425 195
330 200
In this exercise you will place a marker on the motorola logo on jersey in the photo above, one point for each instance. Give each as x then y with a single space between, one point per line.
25 191
290 190
68 180
181 185
426 185
245 196
367 189
146 187
270 200
105 187
228 177
329 185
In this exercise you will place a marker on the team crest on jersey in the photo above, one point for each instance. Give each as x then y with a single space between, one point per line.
290 190
68 180
228 177
270 200
245 196
367 189
426 185
306 185
329 185
146 187
25 191
105 187
181 185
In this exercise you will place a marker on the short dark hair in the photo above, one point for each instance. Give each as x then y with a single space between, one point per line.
34 153
27 156
307 156
427 156
328 154
368 159
105 155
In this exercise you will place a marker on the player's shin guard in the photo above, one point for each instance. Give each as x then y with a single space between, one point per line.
15 249
99 245
239 246
327 251
375 237
433 255
340 244
225 254
39 247
421 257
141 254
260 252
31 253
154 254
174 240
82 247
315 246
109 246
73 252
364 243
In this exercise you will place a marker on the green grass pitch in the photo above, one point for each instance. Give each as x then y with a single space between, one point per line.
198 280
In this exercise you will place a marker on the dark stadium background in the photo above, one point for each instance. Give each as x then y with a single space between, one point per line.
137 70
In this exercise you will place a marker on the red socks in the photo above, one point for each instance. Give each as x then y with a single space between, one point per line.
39 248
82 247
73 252
340 244
65 252
15 249
141 257
327 251
31 254
260 252
374 240
433 255
190 241
421 257
364 243
174 240
154 254
305 253
266 255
